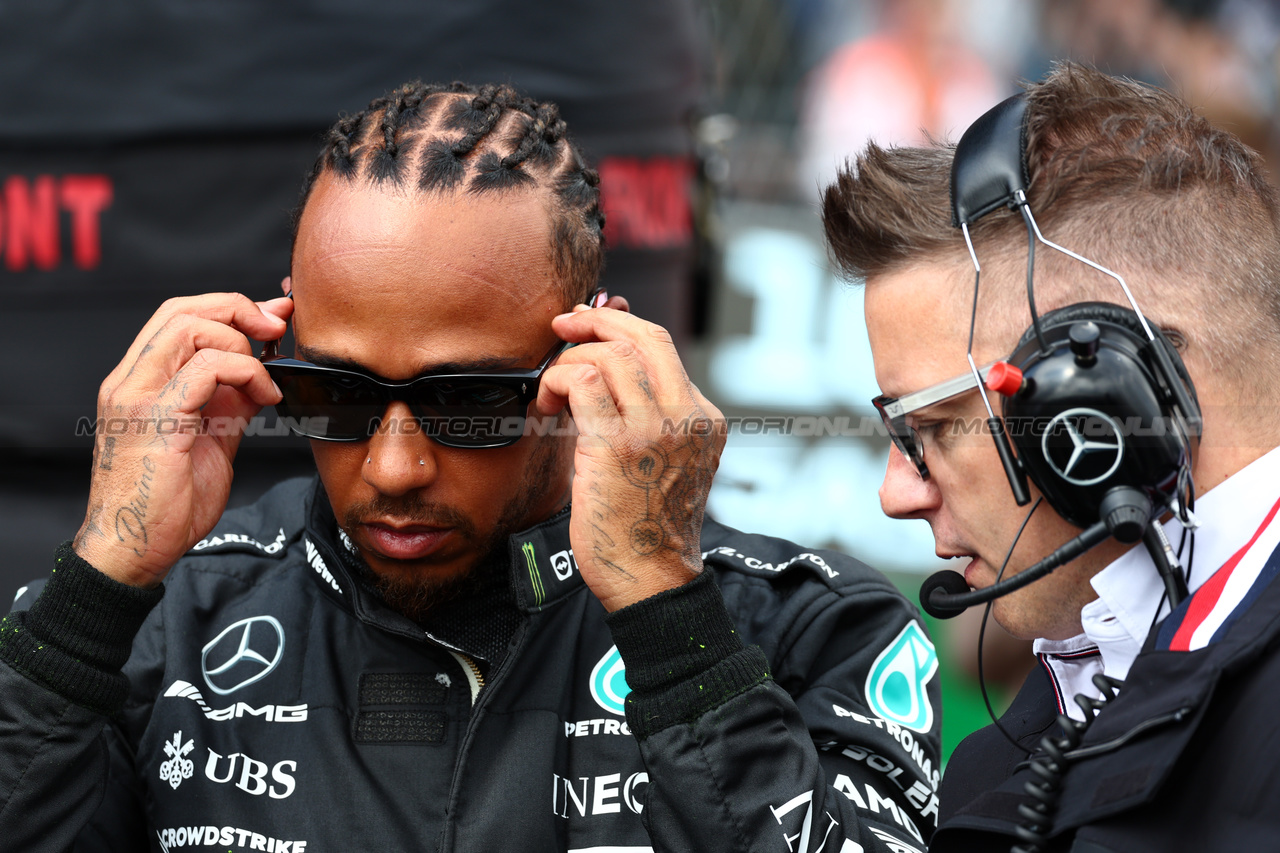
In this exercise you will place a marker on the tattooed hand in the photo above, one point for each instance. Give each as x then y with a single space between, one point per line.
170 417
648 448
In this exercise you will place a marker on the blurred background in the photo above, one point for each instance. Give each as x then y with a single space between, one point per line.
153 148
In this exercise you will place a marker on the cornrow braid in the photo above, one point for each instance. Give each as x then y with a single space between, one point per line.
538 144
480 140
578 238
486 109
339 148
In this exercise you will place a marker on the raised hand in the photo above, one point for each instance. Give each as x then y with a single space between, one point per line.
648 447
171 416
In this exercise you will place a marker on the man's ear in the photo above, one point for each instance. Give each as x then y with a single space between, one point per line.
618 303
286 285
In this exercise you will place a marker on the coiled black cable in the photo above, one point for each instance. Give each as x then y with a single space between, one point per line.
1049 765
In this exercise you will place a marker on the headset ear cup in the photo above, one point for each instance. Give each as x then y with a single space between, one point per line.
1175 358
1097 396
1080 312
1117 315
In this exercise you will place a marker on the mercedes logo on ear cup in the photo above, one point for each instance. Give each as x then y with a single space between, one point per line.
1083 446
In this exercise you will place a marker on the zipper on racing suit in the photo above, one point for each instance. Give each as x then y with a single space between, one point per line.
448 839
474 678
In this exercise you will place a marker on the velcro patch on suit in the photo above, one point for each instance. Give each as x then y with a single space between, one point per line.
400 727
401 688
392 707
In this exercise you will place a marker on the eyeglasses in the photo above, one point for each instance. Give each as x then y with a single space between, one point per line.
894 411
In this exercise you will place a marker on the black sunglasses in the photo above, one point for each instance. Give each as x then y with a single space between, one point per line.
469 410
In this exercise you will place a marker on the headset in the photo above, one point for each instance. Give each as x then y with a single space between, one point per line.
1096 401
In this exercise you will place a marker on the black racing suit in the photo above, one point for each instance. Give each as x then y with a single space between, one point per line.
783 701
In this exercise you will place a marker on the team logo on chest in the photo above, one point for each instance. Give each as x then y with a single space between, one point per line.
609 682
897 684
245 652
178 767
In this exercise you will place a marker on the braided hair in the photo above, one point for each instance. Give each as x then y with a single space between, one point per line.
446 138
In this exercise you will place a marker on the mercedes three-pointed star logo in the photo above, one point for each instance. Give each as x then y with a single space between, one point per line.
1093 452
245 652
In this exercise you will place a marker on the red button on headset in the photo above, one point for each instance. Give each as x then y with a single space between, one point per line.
1004 379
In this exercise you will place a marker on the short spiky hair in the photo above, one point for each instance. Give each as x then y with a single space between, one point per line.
486 139
1126 174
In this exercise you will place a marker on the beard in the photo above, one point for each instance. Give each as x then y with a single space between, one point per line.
417 595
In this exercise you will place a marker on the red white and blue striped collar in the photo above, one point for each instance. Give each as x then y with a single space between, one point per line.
1219 601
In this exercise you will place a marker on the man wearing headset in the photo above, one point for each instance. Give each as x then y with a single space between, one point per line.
1117 178
480 628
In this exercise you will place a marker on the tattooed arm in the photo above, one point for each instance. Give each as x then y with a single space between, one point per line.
160 480
735 761
648 448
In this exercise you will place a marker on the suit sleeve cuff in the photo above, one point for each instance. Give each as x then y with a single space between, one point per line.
78 634
683 656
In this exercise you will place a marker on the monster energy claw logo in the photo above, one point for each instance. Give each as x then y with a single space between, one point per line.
897 685
535 576
609 682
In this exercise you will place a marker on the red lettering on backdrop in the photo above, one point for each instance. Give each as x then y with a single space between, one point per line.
646 201
33 222
30 221
86 196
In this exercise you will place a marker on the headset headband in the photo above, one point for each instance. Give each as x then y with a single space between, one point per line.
989 168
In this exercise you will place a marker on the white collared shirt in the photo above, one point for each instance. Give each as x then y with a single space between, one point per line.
1129 590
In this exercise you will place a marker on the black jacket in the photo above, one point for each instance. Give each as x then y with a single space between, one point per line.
1187 756
273 703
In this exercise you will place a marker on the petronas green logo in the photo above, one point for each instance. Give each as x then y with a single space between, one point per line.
897 685
609 682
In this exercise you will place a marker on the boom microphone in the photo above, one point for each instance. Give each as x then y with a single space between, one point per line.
1126 513
945 594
